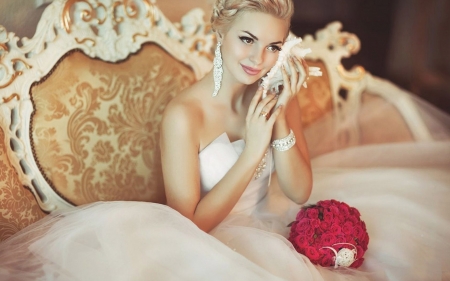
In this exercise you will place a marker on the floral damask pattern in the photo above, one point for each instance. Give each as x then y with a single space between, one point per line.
18 207
96 138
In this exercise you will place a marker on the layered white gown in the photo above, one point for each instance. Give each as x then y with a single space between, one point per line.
401 189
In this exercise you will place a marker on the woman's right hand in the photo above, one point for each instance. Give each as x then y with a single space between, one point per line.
259 122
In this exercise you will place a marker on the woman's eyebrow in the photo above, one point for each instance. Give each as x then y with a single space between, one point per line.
256 38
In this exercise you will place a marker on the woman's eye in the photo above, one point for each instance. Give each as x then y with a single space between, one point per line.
274 48
246 40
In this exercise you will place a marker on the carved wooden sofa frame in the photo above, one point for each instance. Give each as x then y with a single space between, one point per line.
81 102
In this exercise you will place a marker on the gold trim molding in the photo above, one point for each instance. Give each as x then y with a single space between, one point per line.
11 97
82 41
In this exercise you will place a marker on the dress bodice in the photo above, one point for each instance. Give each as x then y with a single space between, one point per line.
216 160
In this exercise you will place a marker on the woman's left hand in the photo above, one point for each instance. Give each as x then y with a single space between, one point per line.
293 83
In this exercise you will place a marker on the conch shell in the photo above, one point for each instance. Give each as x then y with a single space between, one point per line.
291 48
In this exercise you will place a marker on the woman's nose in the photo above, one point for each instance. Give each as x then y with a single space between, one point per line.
257 56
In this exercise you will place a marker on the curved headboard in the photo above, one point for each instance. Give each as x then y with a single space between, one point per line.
80 102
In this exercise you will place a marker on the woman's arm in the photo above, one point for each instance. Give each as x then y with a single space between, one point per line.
293 166
179 151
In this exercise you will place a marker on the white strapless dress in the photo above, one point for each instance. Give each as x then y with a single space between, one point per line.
402 191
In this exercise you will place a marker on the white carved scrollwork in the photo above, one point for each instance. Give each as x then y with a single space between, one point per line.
107 29
330 46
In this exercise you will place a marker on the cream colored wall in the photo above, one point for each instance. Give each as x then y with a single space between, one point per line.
22 16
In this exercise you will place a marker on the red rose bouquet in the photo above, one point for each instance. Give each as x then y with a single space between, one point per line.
330 233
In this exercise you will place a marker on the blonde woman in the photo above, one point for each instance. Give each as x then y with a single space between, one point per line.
250 35
222 143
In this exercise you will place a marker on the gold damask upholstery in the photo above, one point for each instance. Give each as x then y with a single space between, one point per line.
18 207
315 101
95 130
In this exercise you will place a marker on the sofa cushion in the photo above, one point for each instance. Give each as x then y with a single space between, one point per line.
95 129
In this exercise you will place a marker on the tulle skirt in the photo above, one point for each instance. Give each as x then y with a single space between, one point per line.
402 191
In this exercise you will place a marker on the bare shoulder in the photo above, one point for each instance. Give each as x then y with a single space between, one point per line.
183 116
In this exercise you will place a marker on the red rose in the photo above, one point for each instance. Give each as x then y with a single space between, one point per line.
302 225
358 232
349 239
312 254
325 203
354 212
335 229
312 213
347 228
363 225
315 223
364 242
353 219
301 241
300 215
319 232
357 263
328 239
327 259
341 239
308 232
334 209
344 208
359 252
328 216
293 231
324 225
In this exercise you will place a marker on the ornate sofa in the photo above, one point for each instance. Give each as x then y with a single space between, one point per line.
81 102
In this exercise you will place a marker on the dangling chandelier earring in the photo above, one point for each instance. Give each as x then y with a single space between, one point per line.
218 70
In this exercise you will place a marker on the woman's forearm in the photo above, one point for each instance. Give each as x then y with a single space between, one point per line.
218 203
293 166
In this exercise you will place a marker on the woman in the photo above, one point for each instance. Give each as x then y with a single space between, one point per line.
235 110
217 167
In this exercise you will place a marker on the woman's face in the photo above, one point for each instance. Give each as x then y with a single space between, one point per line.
251 45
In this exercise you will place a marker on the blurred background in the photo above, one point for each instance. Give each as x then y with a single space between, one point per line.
405 41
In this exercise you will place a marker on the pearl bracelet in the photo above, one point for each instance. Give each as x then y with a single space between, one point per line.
285 143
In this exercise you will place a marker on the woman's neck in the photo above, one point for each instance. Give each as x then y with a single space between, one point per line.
231 91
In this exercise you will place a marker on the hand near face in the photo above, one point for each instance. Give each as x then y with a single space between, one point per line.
260 120
293 83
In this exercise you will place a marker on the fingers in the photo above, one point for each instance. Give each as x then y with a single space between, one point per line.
301 66
274 115
294 72
303 72
266 105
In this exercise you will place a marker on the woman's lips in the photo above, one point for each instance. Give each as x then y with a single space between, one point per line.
249 70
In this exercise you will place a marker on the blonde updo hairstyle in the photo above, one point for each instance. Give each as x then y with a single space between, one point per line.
226 11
